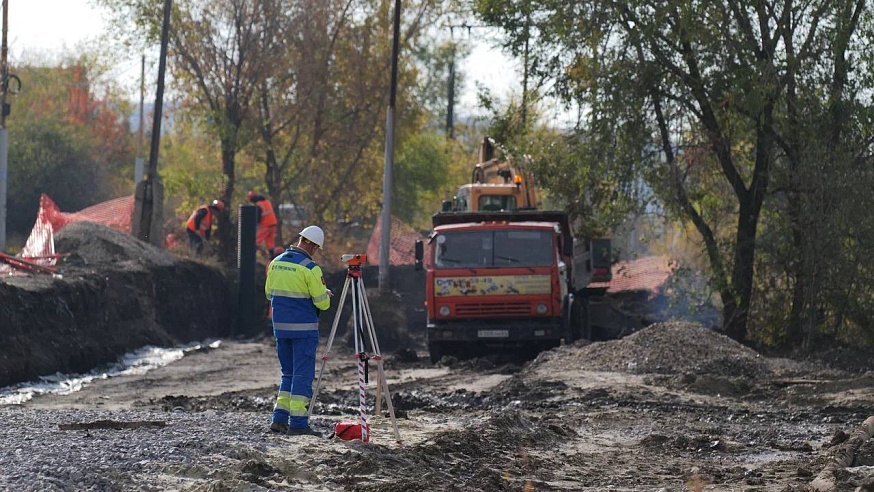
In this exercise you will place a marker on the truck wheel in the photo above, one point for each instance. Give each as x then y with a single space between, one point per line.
436 350
582 317
569 330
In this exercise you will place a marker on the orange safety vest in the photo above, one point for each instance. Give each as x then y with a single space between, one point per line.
205 223
268 218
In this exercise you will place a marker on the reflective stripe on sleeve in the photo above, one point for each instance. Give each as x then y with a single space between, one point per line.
320 298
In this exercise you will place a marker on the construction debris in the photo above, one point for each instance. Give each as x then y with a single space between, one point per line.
29 265
843 457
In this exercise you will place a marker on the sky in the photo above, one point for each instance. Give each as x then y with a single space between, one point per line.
50 26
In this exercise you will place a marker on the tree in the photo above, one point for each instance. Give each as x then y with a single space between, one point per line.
298 85
65 141
321 117
422 178
698 99
218 59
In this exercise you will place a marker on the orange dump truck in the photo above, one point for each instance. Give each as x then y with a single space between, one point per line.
502 280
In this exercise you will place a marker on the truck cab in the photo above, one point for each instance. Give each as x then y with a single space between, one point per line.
503 280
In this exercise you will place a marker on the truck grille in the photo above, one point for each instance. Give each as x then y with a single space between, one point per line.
493 308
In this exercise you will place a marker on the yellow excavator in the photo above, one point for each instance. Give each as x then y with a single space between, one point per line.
495 185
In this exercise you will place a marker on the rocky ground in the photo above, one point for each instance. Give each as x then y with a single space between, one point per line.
673 407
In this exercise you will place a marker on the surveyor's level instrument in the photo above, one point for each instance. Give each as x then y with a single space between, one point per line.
362 325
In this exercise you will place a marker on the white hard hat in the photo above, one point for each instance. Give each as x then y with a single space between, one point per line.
314 234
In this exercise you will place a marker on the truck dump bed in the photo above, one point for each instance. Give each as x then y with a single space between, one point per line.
445 218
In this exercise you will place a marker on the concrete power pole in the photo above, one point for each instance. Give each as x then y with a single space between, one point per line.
138 161
385 236
450 98
4 136
148 217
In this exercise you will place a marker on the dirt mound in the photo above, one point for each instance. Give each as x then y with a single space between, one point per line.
114 294
663 348
86 244
501 453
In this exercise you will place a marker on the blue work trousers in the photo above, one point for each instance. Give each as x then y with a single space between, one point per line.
297 361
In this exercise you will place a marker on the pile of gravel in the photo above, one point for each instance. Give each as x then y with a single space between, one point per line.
89 244
673 347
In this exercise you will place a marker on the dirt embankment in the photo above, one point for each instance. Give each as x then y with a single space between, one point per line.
116 294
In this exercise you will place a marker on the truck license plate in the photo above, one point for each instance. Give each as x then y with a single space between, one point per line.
493 333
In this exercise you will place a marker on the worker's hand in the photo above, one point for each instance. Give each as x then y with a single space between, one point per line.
330 294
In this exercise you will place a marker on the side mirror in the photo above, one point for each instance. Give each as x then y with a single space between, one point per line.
602 259
447 206
567 245
420 254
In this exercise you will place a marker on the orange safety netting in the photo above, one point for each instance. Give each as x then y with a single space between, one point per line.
402 243
646 274
40 245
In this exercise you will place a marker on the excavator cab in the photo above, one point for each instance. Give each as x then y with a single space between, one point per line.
495 203
496 184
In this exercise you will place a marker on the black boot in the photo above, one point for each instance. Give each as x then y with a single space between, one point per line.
280 427
304 431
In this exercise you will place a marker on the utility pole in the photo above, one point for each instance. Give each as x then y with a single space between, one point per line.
4 135
138 161
147 221
385 236
450 97
525 59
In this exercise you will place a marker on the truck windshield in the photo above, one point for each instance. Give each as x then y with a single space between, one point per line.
524 248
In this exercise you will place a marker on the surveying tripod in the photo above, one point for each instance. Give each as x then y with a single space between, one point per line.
362 326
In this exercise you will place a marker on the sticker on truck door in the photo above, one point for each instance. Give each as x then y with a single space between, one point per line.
492 286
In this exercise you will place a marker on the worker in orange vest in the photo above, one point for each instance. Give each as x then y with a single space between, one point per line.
199 225
267 223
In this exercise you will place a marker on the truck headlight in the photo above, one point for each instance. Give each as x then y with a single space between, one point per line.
541 309
444 310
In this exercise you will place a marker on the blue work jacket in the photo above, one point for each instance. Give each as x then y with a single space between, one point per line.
297 292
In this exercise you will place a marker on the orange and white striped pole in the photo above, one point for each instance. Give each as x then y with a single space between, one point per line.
362 399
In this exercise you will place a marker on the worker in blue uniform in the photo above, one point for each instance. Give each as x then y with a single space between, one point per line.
297 293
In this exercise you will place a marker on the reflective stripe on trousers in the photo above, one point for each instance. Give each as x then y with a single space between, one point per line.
295 405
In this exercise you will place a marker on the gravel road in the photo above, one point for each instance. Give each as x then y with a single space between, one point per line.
673 407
